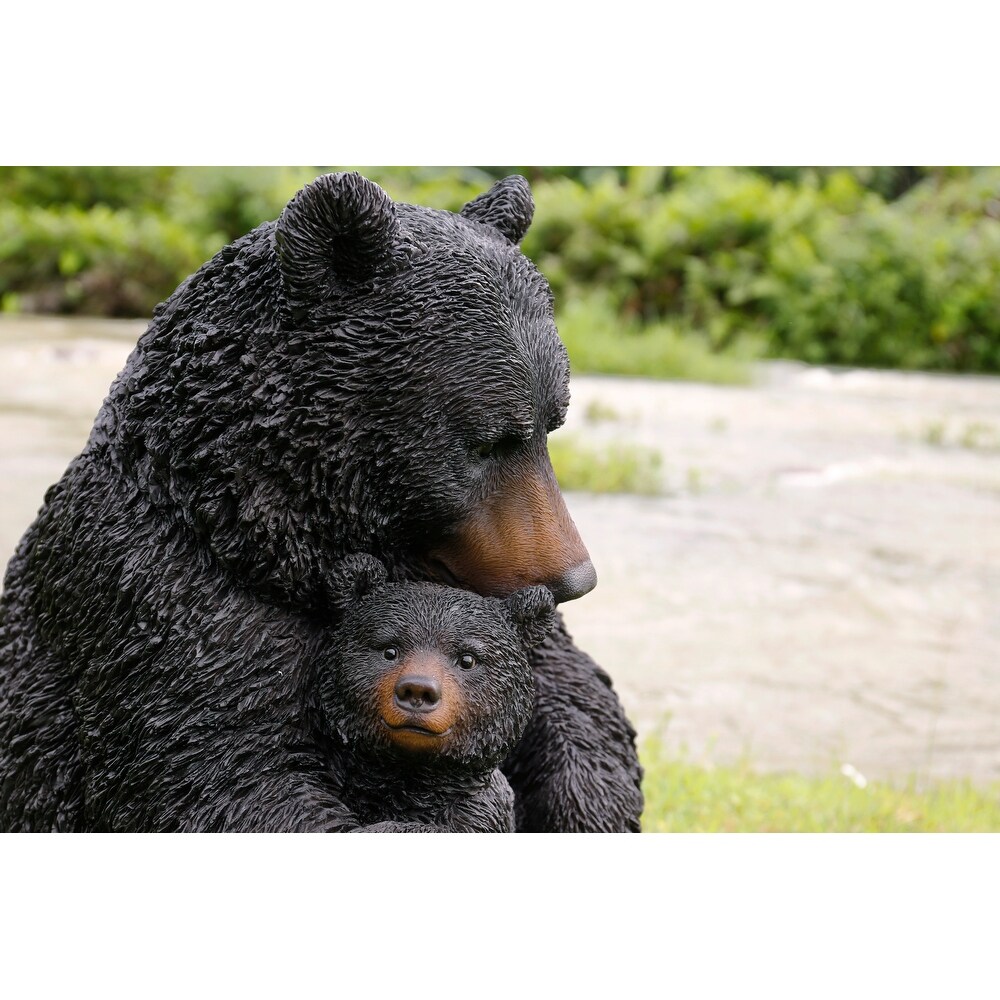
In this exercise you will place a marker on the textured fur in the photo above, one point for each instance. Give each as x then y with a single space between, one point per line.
359 376
450 783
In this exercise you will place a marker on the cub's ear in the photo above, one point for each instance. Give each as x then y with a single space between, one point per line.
507 207
352 578
533 613
338 228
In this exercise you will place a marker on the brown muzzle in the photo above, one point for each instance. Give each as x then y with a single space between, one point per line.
520 536
419 702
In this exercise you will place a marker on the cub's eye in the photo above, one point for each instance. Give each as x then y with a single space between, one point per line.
467 661
485 450
390 652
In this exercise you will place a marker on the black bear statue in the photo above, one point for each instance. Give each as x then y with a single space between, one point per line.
359 376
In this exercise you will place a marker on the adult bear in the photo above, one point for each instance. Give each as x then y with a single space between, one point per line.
358 376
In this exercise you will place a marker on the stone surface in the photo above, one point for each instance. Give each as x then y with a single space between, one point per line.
821 584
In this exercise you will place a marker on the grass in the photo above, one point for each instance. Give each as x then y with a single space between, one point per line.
613 468
599 412
684 797
602 342
980 436
974 435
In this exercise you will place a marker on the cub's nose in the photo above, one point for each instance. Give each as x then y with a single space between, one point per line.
417 694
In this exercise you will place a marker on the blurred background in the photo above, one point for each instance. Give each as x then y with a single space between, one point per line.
783 449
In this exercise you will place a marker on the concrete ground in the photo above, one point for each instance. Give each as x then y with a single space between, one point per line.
821 585
818 585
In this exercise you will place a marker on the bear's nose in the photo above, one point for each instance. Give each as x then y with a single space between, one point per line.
418 693
575 582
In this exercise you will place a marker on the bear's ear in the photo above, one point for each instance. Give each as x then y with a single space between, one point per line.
533 612
340 227
352 578
507 207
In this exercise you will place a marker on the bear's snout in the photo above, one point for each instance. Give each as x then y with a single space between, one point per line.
575 582
417 693
521 536
419 702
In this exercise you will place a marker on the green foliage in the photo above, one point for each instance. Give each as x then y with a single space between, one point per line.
599 412
684 797
976 435
226 202
117 240
660 271
618 468
101 261
438 187
892 287
889 182
84 187
600 340
963 193
821 269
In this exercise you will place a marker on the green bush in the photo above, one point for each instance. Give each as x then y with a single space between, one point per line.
888 182
957 192
677 271
852 290
227 202
823 270
103 262
601 339
135 188
890 287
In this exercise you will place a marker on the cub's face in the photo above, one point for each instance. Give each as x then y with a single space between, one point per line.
421 671
424 671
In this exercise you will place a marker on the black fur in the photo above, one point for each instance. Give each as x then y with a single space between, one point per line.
321 386
452 783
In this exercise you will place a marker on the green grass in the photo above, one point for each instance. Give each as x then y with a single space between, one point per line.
613 468
684 797
600 341
599 412
974 435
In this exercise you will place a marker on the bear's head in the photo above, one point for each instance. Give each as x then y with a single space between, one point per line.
424 673
361 375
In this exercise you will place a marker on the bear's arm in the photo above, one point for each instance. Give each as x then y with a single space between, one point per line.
215 767
576 769
394 826
488 810
200 714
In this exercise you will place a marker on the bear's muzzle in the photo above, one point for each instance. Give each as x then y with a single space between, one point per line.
521 536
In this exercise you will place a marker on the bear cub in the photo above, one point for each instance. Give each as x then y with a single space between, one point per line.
428 693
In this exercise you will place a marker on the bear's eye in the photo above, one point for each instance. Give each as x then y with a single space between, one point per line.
466 661
505 444
390 652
